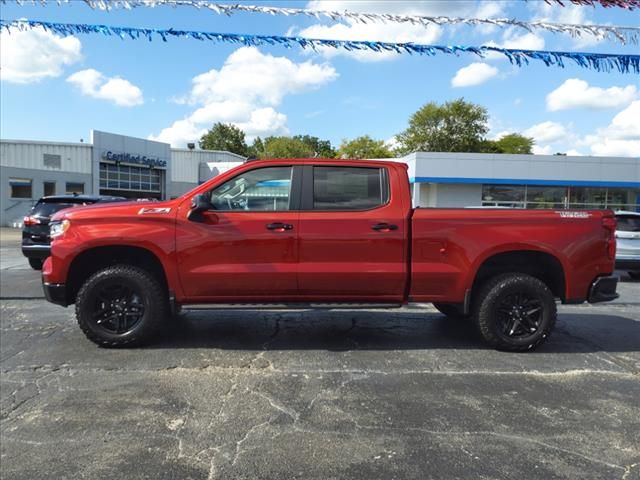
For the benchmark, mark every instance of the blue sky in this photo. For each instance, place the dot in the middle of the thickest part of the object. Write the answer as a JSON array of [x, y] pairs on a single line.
[[58, 89]]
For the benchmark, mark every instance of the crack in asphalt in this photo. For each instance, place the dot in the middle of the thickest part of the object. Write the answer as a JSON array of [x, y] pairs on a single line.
[[628, 469]]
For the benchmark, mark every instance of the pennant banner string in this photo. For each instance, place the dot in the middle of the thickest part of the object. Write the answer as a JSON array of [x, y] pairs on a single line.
[[621, 34], [596, 61], [627, 4]]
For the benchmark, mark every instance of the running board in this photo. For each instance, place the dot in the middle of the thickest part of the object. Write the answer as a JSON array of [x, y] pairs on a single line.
[[285, 306]]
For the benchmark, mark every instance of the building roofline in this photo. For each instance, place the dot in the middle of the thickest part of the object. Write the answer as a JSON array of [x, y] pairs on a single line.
[[41, 142], [526, 181], [207, 151], [512, 156]]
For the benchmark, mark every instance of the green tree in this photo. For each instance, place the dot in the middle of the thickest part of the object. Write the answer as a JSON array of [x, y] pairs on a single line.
[[285, 147], [455, 126], [256, 150], [364, 147], [320, 148], [225, 136], [514, 143]]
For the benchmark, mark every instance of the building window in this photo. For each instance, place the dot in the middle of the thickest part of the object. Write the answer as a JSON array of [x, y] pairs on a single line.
[[49, 188], [74, 187], [52, 161], [20, 187], [131, 178], [534, 196], [503, 196], [587, 197], [546, 197]]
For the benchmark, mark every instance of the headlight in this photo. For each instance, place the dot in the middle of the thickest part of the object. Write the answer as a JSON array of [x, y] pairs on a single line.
[[58, 228]]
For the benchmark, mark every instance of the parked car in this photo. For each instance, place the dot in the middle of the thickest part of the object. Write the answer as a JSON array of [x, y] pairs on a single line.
[[35, 226], [324, 232], [628, 243]]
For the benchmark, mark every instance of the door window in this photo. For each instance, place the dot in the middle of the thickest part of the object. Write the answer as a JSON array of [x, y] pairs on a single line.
[[348, 188], [262, 189]]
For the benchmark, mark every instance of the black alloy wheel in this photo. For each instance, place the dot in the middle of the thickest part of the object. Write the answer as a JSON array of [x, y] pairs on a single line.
[[520, 315], [514, 312], [118, 308], [121, 305]]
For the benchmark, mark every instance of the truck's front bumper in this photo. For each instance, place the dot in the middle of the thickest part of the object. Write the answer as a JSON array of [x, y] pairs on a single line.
[[55, 293], [603, 289]]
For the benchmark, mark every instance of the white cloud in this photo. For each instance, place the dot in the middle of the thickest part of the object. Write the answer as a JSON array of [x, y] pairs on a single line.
[[389, 32], [32, 55], [546, 132], [621, 137], [94, 84], [513, 40], [250, 76], [543, 150], [473, 74], [576, 93], [245, 92], [571, 14]]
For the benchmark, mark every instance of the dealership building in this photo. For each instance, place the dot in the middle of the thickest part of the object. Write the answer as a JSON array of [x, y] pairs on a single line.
[[110, 164], [114, 164]]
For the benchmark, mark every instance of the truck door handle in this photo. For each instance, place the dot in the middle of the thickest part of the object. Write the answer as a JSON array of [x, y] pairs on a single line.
[[279, 227], [384, 227]]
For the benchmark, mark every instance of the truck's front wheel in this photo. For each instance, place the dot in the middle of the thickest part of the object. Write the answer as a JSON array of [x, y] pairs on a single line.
[[121, 305], [514, 312]]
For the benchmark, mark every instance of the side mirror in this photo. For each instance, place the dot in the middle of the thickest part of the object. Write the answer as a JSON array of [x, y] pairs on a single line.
[[199, 204]]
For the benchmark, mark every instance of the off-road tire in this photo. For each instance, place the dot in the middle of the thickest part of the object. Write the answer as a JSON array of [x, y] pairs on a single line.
[[488, 299], [451, 310], [36, 263], [149, 289]]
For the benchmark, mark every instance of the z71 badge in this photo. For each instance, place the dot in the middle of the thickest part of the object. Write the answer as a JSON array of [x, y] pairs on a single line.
[[565, 214], [158, 210]]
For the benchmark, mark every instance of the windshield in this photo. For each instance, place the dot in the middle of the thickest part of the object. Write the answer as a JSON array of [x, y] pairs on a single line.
[[46, 209], [630, 223]]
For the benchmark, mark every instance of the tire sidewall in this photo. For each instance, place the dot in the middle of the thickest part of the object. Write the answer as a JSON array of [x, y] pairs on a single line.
[[510, 284], [134, 279]]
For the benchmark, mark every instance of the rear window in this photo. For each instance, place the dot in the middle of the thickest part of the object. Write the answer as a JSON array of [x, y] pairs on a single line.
[[46, 209], [629, 223], [348, 188]]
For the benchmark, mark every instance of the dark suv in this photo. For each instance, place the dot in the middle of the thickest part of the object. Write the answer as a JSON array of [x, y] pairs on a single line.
[[36, 243]]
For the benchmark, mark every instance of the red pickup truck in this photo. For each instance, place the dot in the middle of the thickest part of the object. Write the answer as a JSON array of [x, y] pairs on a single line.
[[327, 233]]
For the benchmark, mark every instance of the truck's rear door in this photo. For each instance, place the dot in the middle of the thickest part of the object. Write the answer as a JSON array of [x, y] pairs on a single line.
[[352, 234]]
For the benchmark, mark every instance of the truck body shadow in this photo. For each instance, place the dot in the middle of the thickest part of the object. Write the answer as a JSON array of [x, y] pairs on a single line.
[[380, 330]]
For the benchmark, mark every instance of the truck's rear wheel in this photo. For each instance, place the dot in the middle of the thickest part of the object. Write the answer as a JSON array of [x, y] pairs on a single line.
[[451, 310], [514, 312], [121, 305]]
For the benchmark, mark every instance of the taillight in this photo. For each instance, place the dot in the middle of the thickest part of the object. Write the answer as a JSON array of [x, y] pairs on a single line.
[[609, 224], [30, 221]]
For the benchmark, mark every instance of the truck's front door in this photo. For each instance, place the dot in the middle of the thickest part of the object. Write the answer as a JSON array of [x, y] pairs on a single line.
[[353, 235], [245, 247]]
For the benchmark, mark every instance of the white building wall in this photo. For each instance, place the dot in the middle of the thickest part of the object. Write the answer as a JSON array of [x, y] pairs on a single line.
[[457, 196], [186, 163], [74, 157], [426, 166]]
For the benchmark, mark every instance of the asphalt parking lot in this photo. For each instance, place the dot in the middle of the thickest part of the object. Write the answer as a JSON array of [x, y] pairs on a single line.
[[315, 395]]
